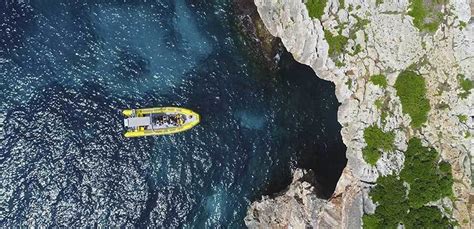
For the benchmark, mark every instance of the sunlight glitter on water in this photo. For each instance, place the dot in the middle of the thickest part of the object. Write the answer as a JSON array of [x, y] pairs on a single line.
[[67, 69]]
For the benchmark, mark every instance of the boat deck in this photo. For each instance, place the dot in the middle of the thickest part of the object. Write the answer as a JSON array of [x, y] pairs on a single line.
[[158, 121]]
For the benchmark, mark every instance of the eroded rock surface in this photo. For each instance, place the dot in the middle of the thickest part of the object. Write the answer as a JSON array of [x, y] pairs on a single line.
[[297, 207], [388, 43]]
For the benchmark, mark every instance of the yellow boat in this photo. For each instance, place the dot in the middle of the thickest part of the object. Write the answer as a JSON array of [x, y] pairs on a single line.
[[158, 121]]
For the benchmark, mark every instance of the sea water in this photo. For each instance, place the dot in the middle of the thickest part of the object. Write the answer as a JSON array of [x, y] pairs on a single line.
[[68, 67]]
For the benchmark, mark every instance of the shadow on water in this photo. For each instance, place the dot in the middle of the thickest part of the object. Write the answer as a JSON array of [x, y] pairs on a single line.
[[308, 117], [322, 149]]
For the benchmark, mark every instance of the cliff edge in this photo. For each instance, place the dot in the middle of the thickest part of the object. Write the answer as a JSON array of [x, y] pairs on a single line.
[[369, 50]]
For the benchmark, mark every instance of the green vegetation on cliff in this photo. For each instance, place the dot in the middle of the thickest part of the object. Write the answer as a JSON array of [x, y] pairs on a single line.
[[382, 104], [371, 155], [378, 103], [390, 195], [379, 80], [359, 25], [466, 85], [429, 181], [316, 8], [426, 14], [426, 217], [376, 140], [336, 43], [403, 200], [462, 118], [411, 89], [357, 50], [341, 4]]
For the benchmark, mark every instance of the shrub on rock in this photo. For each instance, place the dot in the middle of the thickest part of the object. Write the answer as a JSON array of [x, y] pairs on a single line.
[[411, 89], [316, 8]]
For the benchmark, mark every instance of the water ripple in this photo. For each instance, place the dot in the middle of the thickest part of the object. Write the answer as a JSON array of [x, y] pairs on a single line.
[[67, 69]]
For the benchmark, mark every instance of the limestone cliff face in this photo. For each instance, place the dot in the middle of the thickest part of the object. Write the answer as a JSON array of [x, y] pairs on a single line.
[[285, 210], [388, 43]]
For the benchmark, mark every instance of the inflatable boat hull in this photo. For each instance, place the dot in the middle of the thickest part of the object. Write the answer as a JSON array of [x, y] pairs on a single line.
[[137, 121]]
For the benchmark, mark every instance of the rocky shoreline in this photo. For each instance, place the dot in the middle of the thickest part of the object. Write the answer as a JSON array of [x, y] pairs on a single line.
[[387, 42], [265, 49]]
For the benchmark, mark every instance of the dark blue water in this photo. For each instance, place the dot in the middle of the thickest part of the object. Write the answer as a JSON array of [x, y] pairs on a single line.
[[68, 67]]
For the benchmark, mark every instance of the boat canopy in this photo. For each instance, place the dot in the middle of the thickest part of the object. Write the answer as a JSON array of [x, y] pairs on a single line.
[[137, 121]]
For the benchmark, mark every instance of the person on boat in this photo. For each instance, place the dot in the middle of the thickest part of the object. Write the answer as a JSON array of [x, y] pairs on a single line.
[[160, 120], [174, 120], [180, 120]]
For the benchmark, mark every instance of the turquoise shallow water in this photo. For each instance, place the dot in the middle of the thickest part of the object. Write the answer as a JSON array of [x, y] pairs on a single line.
[[68, 67]]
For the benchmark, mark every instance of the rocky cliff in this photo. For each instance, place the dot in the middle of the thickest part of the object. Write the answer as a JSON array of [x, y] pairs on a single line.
[[348, 43]]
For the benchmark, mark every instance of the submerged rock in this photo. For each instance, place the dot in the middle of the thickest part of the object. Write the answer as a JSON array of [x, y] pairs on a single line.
[[265, 48]]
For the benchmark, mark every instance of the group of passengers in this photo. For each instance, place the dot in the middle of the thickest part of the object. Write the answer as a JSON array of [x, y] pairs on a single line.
[[174, 120]]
